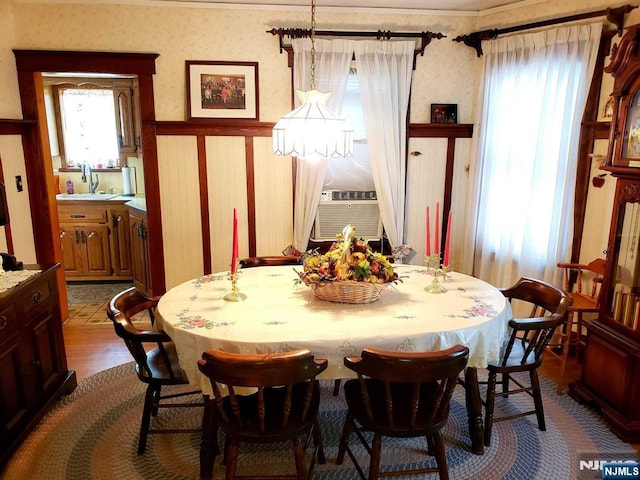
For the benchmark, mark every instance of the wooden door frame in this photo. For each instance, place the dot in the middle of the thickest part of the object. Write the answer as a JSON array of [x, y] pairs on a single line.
[[44, 216]]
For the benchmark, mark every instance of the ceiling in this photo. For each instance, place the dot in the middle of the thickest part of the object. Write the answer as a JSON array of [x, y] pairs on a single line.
[[463, 6]]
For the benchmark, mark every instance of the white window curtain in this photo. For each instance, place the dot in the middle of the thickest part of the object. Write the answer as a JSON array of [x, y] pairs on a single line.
[[333, 60], [533, 94], [384, 71]]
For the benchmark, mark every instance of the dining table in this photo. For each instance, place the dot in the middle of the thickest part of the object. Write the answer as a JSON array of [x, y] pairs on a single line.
[[280, 313]]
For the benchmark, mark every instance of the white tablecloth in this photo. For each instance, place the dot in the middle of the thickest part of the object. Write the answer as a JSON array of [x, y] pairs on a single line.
[[279, 315]]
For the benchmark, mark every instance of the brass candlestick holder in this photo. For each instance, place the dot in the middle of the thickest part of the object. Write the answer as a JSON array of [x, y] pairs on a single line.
[[234, 295], [438, 269], [445, 269]]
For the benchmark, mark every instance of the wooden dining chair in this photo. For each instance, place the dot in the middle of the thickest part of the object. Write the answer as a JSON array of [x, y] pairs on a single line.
[[400, 394], [157, 367], [282, 404], [583, 283], [266, 261], [524, 349]]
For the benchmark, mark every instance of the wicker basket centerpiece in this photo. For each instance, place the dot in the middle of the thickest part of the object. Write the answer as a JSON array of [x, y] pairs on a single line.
[[350, 272]]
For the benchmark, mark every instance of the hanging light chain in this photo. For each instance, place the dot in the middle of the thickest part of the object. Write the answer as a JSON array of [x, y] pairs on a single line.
[[312, 130], [313, 44]]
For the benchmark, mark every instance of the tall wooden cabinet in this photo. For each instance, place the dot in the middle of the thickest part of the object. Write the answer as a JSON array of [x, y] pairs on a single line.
[[33, 363], [611, 371]]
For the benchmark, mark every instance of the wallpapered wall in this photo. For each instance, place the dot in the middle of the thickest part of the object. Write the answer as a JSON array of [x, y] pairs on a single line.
[[187, 33], [446, 74]]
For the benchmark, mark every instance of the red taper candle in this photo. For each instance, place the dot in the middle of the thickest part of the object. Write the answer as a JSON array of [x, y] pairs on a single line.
[[234, 248], [437, 232], [428, 249], [447, 242]]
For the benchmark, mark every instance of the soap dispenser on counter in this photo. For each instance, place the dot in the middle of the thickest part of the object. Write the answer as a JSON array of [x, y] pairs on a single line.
[[129, 183], [69, 186]]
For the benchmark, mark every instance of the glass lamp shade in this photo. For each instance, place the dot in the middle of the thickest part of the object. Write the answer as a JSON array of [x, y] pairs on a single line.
[[312, 130]]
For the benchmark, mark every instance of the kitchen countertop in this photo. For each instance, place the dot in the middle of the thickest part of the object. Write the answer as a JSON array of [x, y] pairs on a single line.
[[138, 202]]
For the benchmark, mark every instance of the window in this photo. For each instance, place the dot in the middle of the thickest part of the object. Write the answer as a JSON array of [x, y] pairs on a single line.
[[91, 121], [352, 173], [535, 87], [88, 127]]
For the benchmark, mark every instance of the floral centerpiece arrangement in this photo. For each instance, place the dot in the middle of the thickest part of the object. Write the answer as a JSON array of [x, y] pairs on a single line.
[[350, 272]]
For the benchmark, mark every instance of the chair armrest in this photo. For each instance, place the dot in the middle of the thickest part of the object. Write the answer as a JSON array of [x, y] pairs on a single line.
[[532, 323], [151, 336], [577, 266]]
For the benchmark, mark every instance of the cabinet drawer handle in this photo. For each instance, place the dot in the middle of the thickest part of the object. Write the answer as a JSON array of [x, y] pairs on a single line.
[[36, 297], [3, 321], [77, 215]]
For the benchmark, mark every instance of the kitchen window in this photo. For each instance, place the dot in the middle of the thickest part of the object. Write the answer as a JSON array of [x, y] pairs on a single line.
[[91, 121], [88, 127]]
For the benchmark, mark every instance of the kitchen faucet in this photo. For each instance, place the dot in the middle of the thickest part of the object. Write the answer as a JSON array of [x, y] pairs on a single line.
[[87, 174]]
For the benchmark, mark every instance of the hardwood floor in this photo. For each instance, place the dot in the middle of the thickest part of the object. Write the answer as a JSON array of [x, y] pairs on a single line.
[[91, 342], [91, 349]]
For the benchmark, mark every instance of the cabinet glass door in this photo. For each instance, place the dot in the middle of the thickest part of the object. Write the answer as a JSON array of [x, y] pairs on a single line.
[[625, 302]]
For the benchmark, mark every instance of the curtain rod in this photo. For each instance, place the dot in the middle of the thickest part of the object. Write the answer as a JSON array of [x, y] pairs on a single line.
[[614, 15], [425, 37]]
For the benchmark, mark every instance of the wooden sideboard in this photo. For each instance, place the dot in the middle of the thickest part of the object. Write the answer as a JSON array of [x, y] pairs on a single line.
[[33, 363]]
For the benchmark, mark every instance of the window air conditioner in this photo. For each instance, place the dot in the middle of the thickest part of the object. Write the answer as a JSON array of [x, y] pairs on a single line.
[[338, 208]]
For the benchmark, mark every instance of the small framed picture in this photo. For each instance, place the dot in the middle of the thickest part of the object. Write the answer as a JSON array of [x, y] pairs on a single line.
[[222, 90], [444, 113]]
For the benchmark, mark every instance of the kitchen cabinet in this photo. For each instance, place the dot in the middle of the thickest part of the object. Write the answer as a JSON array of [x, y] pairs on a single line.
[[120, 242], [33, 364], [125, 95], [140, 250], [85, 250], [610, 376], [94, 236]]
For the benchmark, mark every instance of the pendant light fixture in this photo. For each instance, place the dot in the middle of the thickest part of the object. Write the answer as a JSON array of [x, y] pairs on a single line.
[[313, 131]]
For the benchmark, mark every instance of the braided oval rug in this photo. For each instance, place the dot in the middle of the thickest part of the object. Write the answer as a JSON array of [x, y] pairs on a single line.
[[93, 433]]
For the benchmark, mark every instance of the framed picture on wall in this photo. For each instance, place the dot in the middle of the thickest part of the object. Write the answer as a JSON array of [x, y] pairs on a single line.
[[222, 90], [444, 113]]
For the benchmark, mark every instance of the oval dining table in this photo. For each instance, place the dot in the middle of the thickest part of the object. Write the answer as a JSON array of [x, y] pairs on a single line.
[[280, 314]]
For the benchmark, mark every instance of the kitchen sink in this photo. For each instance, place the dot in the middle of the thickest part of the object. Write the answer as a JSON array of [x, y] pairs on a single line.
[[86, 196]]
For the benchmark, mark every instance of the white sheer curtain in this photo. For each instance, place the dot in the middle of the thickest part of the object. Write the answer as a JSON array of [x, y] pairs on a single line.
[[384, 71], [533, 95], [333, 60]]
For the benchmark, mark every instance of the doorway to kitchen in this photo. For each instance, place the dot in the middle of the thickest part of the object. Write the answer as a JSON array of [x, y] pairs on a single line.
[[30, 65], [93, 122]]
